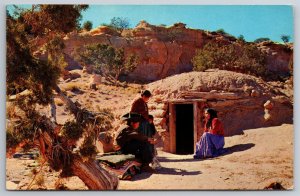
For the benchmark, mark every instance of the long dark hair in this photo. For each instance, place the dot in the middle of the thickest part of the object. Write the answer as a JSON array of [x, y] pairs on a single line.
[[213, 114], [146, 93]]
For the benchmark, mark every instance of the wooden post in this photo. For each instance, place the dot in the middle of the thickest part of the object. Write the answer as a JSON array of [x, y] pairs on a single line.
[[172, 127], [200, 124], [196, 123]]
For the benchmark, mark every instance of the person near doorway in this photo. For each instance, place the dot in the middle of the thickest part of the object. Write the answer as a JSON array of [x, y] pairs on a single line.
[[131, 141], [155, 163], [212, 141], [152, 131], [140, 106]]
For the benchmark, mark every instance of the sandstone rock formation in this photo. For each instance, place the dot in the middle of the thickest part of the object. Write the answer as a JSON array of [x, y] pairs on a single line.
[[278, 56], [165, 51]]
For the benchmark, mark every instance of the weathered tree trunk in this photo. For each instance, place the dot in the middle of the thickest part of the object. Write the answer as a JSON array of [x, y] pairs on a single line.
[[53, 110], [73, 108], [94, 177]]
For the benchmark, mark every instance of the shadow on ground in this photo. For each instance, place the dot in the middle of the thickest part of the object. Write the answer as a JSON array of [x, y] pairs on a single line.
[[167, 171], [182, 172], [165, 159], [226, 151], [237, 148]]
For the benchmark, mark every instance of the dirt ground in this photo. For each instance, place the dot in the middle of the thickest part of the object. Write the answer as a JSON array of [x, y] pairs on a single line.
[[253, 161]]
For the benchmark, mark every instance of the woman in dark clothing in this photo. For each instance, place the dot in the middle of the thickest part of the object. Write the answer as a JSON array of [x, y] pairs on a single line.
[[212, 141], [133, 142], [140, 106]]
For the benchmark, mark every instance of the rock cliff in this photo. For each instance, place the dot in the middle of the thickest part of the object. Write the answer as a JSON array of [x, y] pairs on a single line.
[[165, 51]]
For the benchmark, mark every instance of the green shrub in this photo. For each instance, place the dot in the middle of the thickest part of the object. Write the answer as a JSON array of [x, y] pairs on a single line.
[[263, 39], [238, 57], [285, 38], [108, 60], [72, 130], [88, 25]]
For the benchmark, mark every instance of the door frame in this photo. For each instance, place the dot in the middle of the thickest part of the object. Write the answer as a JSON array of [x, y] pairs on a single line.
[[197, 113]]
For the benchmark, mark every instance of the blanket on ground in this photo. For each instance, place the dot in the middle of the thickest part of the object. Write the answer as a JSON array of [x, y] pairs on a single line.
[[121, 165]]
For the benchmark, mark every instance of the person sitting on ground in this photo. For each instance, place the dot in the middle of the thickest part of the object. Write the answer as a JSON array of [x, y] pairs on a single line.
[[212, 141], [132, 142]]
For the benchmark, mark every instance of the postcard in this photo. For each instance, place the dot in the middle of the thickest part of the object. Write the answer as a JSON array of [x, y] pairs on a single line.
[[149, 97]]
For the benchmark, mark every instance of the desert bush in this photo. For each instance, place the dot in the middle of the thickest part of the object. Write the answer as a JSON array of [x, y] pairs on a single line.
[[120, 23], [168, 35], [285, 38], [221, 31], [243, 58], [73, 86], [88, 25], [262, 39], [241, 38], [108, 60], [88, 149], [58, 102]]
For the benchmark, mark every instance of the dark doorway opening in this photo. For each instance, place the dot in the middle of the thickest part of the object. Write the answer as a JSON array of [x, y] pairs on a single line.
[[184, 129]]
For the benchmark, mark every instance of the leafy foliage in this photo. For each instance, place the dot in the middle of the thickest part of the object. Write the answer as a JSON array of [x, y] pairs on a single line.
[[102, 123], [108, 60], [12, 139], [55, 52], [39, 78], [241, 38], [88, 25], [119, 23], [285, 38], [87, 149], [173, 34], [262, 39], [72, 130], [25, 71], [104, 119], [221, 31], [244, 58], [45, 19], [24, 127]]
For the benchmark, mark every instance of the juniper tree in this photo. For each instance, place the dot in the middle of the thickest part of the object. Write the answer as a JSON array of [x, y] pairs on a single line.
[[119, 23], [88, 25], [285, 38], [108, 60], [39, 77]]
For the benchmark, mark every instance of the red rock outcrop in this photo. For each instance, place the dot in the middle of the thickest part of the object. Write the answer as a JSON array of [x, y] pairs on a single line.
[[278, 56], [165, 51]]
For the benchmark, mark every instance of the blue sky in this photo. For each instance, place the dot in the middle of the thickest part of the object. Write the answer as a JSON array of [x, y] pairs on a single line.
[[251, 21]]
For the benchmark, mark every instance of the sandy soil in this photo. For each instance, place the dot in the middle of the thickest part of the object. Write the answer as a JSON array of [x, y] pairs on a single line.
[[253, 161]]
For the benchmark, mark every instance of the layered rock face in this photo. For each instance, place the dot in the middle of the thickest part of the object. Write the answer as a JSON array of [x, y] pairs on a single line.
[[278, 56], [161, 51], [164, 51]]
